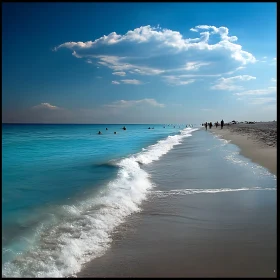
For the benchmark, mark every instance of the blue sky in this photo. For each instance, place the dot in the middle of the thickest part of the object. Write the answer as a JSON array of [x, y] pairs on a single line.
[[138, 62]]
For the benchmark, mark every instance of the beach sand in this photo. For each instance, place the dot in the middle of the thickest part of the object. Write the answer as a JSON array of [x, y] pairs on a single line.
[[230, 234], [257, 142]]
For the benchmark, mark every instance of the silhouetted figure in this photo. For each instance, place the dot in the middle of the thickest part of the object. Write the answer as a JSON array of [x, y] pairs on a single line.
[[206, 126], [115, 132], [222, 124], [99, 132], [124, 128], [210, 125], [149, 128], [106, 128]]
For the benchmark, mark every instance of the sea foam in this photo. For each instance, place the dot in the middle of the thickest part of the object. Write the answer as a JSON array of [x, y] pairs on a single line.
[[82, 232]]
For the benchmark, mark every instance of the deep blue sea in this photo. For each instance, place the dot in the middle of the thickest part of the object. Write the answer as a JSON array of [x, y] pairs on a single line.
[[65, 188]]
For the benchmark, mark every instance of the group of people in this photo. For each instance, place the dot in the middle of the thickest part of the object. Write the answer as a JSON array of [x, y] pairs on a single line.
[[99, 132], [210, 124], [124, 128]]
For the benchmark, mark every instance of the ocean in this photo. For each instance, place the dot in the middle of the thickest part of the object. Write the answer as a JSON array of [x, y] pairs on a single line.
[[65, 189]]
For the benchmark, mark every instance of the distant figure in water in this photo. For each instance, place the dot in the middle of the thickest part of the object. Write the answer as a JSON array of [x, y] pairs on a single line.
[[153, 128], [210, 125], [222, 124], [174, 126], [149, 128], [115, 132], [124, 128], [206, 126], [99, 132], [106, 128], [216, 124], [164, 127]]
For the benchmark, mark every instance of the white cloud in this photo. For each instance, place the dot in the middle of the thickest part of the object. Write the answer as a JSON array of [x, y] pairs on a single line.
[[155, 51], [46, 106], [132, 82], [195, 65], [177, 81], [115, 82], [119, 73], [262, 100], [229, 83], [275, 58], [273, 80], [132, 103], [268, 90]]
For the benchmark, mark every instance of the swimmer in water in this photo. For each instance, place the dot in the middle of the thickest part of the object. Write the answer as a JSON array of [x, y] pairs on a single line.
[[115, 132], [106, 128], [99, 132]]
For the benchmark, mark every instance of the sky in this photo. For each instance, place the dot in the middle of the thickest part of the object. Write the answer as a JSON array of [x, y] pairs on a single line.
[[138, 62]]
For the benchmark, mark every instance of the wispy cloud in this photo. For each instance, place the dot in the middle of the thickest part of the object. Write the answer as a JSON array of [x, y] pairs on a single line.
[[119, 73], [195, 65], [131, 82], [265, 91], [273, 80], [132, 103], [128, 82], [46, 106], [207, 110], [230, 83], [177, 81], [262, 100]]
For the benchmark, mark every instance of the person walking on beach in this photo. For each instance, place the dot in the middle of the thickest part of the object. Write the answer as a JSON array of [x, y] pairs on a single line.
[[222, 124], [206, 126], [210, 125]]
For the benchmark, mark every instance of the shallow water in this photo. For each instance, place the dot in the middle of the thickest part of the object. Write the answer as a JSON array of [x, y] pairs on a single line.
[[65, 189]]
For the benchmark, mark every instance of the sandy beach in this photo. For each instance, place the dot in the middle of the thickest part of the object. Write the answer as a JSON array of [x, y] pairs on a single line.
[[257, 142], [184, 234]]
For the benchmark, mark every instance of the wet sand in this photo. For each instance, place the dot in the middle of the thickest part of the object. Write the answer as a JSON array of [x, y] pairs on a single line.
[[200, 235], [257, 142]]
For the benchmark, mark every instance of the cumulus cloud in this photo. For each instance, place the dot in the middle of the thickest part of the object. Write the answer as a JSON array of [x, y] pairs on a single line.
[[229, 83], [115, 82], [155, 51], [119, 73], [269, 90], [46, 106], [132, 103]]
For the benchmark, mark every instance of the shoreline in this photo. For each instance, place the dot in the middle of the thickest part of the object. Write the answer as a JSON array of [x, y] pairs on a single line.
[[255, 142], [205, 234]]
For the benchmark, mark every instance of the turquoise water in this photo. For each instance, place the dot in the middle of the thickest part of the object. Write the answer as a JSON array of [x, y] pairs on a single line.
[[65, 188]]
